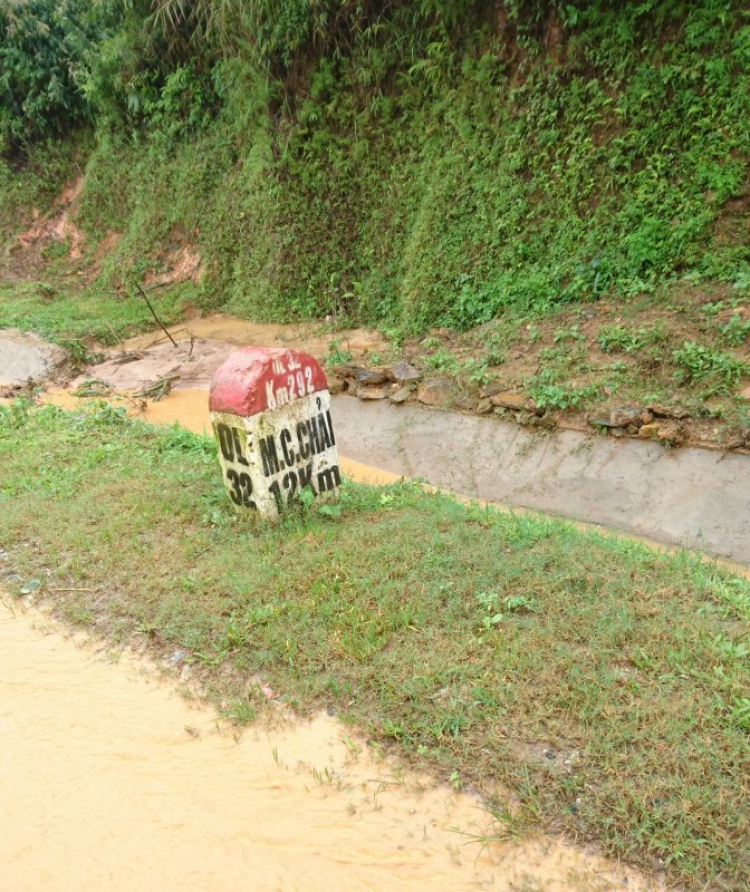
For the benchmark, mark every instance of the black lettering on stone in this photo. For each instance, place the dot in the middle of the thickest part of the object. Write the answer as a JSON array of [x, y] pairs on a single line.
[[268, 456], [312, 427], [246, 486], [330, 428], [238, 446], [285, 439], [304, 449], [290, 483], [305, 476], [329, 479], [275, 491], [235, 494], [325, 440], [226, 441]]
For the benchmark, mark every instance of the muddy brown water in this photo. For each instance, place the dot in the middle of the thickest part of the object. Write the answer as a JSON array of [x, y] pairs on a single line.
[[110, 780]]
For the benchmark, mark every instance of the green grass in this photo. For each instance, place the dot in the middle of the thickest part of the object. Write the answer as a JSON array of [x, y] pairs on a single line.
[[73, 318], [468, 636]]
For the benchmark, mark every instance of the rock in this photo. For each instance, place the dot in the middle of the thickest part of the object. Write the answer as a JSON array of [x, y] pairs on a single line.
[[516, 402], [336, 384], [623, 417], [745, 394], [403, 372], [371, 393], [401, 395], [346, 370], [661, 411], [371, 377], [464, 403], [489, 390], [484, 406], [671, 432], [435, 392]]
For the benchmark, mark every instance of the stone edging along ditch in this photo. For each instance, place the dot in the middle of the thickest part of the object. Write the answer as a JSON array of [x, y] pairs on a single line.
[[401, 382]]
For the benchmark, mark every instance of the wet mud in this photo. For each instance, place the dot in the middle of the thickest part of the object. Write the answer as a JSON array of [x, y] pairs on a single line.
[[25, 357], [110, 780]]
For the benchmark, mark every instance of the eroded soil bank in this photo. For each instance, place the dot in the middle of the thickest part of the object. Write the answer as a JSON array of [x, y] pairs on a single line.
[[109, 779]]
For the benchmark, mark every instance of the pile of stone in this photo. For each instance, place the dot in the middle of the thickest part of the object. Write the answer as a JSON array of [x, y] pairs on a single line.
[[397, 383], [658, 422]]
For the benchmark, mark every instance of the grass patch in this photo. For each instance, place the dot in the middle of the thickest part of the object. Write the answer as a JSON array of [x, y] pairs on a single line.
[[74, 318], [471, 637]]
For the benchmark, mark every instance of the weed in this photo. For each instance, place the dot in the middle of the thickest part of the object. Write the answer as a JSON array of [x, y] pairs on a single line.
[[618, 339], [568, 334], [736, 331], [700, 364], [475, 371], [337, 355], [442, 360], [548, 392]]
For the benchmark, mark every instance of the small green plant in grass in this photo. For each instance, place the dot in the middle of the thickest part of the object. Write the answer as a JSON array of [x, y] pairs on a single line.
[[741, 714], [241, 711], [476, 371], [520, 604], [491, 616], [573, 333], [548, 392], [700, 364], [337, 355], [441, 361], [619, 339], [736, 330], [56, 250]]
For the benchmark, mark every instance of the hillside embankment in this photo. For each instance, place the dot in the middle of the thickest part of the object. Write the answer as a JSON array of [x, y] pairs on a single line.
[[546, 208]]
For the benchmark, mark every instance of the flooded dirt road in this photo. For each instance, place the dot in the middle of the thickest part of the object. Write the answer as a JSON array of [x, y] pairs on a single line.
[[109, 780]]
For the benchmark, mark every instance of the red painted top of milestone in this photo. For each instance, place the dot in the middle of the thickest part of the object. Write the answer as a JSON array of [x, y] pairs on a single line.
[[255, 379]]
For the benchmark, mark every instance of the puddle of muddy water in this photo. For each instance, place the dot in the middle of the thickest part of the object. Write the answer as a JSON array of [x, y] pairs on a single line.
[[110, 780], [202, 345], [189, 409], [315, 339]]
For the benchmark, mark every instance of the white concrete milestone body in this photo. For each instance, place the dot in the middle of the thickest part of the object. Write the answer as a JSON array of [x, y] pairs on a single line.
[[270, 410]]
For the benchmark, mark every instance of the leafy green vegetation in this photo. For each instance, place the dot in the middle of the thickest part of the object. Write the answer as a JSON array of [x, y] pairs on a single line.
[[43, 45], [698, 363], [470, 637], [413, 165]]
